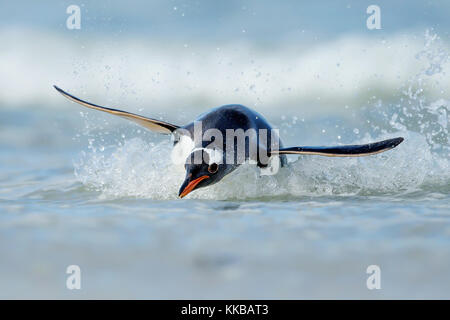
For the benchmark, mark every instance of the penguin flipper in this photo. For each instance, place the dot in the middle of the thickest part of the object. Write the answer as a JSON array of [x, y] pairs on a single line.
[[151, 124], [344, 151]]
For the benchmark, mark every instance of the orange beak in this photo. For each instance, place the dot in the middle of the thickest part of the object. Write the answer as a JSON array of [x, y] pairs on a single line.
[[191, 186]]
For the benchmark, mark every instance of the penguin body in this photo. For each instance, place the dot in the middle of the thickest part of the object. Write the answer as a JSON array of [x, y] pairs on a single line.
[[220, 140], [236, 117]]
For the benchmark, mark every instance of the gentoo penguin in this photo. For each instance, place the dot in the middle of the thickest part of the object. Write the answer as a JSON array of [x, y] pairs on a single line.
[[218, 141]]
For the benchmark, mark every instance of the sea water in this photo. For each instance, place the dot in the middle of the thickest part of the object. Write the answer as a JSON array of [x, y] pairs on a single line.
[[78, 187]]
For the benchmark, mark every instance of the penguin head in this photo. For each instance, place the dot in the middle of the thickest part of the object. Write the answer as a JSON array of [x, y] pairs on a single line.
[[202, 169]]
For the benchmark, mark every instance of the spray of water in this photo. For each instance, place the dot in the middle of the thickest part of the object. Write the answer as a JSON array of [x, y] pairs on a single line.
[[138, 168]]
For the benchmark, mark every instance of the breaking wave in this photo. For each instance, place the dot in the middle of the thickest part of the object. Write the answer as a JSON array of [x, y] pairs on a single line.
[[140, 73]]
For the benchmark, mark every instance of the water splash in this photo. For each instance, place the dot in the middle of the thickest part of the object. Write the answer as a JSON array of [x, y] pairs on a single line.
[[415, 112], [137, 168]]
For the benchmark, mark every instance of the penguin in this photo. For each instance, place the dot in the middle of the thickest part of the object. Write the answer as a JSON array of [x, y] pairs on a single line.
[[218, 141]]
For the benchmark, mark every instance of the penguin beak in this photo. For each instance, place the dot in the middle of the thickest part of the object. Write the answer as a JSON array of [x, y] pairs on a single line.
[[188, 186]]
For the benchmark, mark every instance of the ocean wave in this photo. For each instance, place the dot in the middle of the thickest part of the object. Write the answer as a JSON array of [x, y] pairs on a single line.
[[150, 77]]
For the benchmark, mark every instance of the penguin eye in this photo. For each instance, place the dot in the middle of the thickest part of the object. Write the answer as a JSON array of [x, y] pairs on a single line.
[[212, 168]]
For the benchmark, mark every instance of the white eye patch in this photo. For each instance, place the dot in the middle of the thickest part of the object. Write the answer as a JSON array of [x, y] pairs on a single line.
[[182, 150], [215, 155], [185, 147]]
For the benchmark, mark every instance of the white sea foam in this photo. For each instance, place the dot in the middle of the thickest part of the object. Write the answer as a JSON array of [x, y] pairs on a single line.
[[139, 74], [140, 169]]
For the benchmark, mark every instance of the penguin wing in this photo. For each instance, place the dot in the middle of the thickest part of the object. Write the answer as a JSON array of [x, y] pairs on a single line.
[[152, 124], [344, 151]]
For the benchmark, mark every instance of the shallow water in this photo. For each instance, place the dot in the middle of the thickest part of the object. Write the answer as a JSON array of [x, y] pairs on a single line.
[[82, 188], [309, 232]]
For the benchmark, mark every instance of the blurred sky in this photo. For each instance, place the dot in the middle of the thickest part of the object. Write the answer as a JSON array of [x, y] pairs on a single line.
[[249, 20]]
